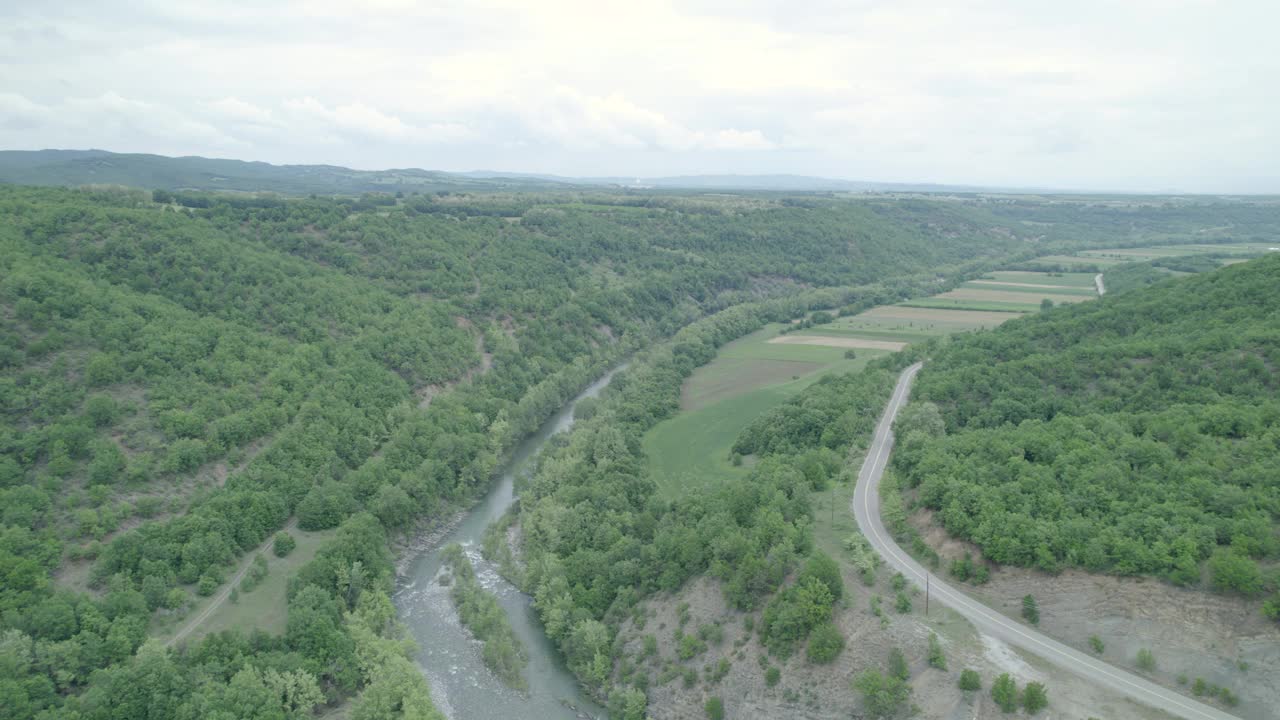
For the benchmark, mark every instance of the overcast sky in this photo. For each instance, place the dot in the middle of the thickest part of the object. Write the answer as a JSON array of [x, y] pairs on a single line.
[[1138, 94]]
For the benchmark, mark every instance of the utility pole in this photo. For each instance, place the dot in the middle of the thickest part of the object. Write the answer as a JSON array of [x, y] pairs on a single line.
[[926, 594]]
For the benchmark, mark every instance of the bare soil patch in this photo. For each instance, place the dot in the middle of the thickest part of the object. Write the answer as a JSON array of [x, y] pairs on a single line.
[[839, 342], [824, 692], [1192, 633]]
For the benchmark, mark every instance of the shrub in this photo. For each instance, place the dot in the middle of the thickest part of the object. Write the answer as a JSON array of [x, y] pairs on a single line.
[[772, 676], [1034, 697], [902, 603], [1004, 691], [825, 643], [206, 586], [283, 544], [969, 680], [1095, 642], [882, 695], [936, 657], [1146, 660], [714, 708], [1030, 611], [898, 665]]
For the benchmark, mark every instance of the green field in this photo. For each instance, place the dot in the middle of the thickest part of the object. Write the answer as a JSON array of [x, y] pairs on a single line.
[[264, 608], [1082, 280], [747, 377], [1106, 257], [751, 374], [985, 305], [1037, 291]]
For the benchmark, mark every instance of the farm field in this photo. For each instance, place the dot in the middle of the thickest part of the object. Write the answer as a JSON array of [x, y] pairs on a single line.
[[1108, 257], [754, 373], [747, 377]]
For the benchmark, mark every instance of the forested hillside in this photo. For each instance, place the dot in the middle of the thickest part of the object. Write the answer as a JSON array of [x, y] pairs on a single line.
[[181, 374], [1139, 434]]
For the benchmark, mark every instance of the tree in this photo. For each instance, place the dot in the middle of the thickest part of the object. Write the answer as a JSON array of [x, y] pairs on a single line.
[[882, 695], [1004, 691], [1046, 304], [937, 658], [1232, 572], [714, 708], [283, 544], [1030, 612], [1034, 697], [825, 643], [969, 680], [821, 566]]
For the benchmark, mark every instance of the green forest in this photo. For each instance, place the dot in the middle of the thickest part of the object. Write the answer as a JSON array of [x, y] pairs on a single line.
[[181, 373], [1135, 435]]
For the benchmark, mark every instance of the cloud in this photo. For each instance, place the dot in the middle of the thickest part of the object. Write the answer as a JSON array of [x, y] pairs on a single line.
[[976, 91], [362, 121]]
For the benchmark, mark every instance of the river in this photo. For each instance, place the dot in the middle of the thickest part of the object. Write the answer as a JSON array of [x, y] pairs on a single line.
[[461, 685]]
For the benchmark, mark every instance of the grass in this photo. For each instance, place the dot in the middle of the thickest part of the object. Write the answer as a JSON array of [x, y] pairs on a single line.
[[1044, 290], [751, 375], [746, 378], [986, 305], [265, 608], [1076, 260], [1082, 280], [1106, 257]]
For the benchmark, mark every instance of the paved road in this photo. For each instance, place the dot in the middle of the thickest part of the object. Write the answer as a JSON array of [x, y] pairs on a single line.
[[866, 509], [1097, 280], [225, 592]]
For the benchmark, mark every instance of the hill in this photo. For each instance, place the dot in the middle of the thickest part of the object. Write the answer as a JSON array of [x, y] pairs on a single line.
[[90, 167], [99, 167], [182, 374], [1136, 435]]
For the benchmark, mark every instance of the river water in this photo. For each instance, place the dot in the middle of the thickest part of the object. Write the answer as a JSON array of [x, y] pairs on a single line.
[[461, 685]]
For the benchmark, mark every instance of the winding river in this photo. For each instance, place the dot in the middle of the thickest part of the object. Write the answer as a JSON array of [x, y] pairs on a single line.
[[462, 687]]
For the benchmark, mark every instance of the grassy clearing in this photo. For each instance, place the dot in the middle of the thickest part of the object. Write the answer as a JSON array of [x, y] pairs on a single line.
[[1008, 296], [1084, 293], [1081, 280], [938, 303], [757, 372], [938, 321], [265, 608], [1076, 260], [839, 342], [746, 378], [1105, 257]]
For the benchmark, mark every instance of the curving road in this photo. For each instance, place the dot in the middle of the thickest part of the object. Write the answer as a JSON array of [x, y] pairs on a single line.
[[866, 509]]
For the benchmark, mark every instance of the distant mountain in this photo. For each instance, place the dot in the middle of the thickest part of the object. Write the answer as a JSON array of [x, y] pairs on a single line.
[[92, 167], [97, 167], [783, 183]]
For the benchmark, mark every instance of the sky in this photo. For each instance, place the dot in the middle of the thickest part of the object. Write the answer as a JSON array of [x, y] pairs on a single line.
[[1139, 95]]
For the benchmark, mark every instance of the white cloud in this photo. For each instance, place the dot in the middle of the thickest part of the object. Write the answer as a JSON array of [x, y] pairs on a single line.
[[1090, 93]]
